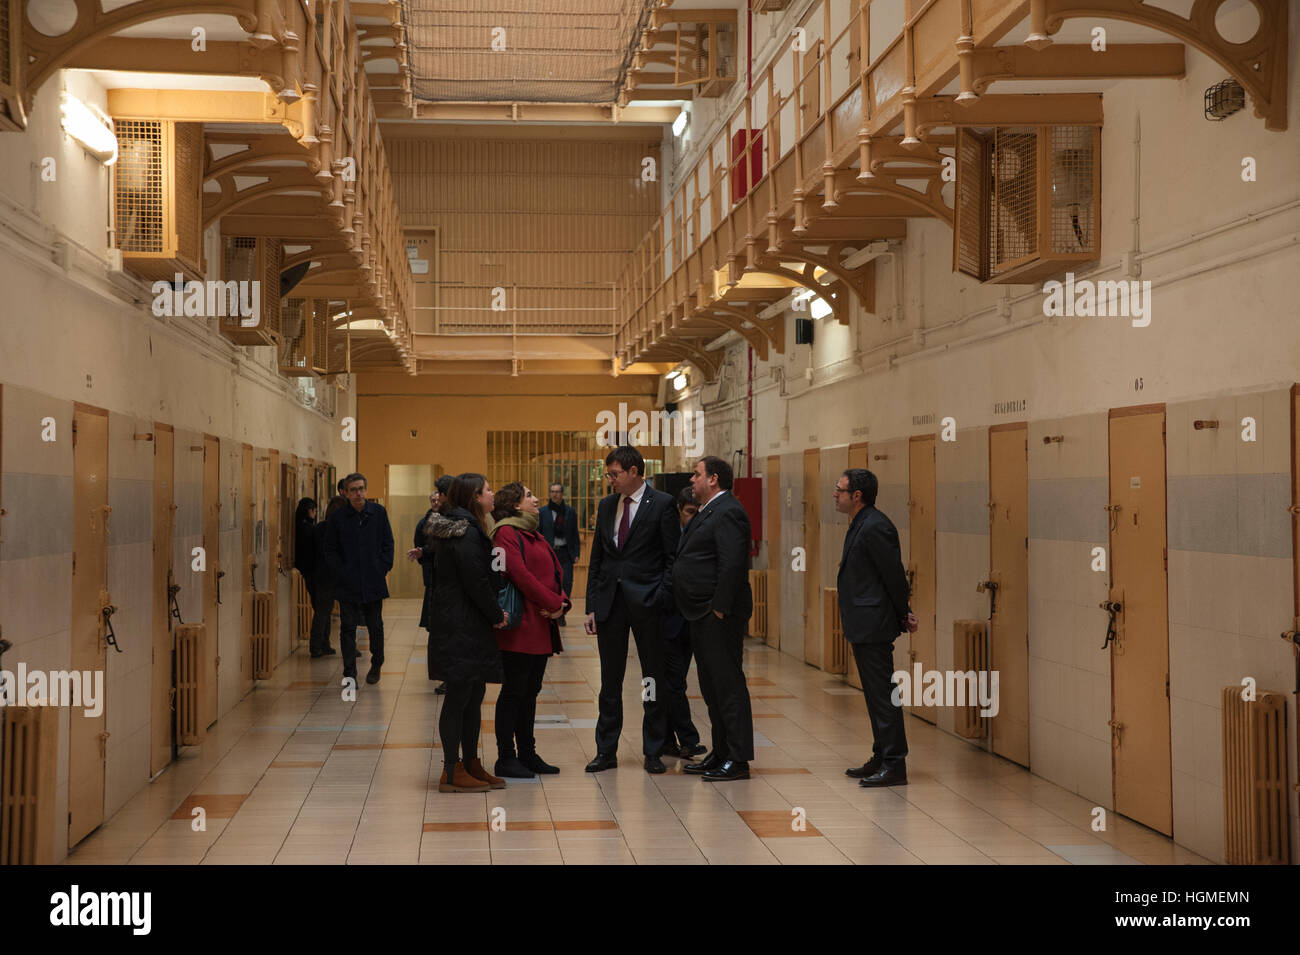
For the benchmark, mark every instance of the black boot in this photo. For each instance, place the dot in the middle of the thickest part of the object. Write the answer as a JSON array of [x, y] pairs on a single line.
[[537, 764]]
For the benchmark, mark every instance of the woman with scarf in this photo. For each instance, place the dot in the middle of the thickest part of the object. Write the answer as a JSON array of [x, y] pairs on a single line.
[[531, 565], [465, 611]]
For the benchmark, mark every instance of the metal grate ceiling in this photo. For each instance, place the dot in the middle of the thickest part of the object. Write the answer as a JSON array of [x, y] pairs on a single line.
[[536, 51]]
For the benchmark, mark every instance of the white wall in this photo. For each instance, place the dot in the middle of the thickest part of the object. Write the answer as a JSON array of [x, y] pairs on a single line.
[[1224, 342], [68, 334]]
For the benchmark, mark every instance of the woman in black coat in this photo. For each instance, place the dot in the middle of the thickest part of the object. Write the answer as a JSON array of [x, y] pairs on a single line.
[[465, 613]]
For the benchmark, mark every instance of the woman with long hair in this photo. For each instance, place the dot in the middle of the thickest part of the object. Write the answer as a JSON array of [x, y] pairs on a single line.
[[465, 611], [534, 569]]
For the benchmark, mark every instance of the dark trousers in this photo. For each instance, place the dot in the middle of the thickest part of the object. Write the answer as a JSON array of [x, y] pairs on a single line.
[[875, 670], [677, 662], [719, 648], [322, 606], [566, 572], [460, 721], [516, 708], [353, 613], [611, 639]]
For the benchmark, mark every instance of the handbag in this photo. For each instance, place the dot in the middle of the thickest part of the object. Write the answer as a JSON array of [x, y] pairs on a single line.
[[511, 600]]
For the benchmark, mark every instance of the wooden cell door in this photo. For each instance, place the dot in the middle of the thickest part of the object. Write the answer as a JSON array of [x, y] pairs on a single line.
[[162, 681], [812, 586], [921, 569], [212, 577], [776, 557], [422, 255], [88, 738], [247, 582], [1139, 654], [1009, 570]]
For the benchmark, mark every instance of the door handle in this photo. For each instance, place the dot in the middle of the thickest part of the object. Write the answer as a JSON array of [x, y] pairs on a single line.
[[110, 638], [1112, 607], [990, 587]]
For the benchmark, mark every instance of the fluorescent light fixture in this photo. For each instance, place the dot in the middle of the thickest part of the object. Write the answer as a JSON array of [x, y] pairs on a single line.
[[89, 127], [819, 308], [679, 124]]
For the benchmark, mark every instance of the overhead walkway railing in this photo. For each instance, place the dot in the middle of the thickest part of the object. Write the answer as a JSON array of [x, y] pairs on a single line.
[[302, 164], [845, 135]]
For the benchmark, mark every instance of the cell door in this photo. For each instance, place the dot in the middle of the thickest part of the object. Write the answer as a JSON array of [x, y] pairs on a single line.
[[88, 736], [422, 256], [247, 582], [812, 587], [1139, 654], [212, 577], [161, 679], [921, 568], [776, 557], [1009, 570]]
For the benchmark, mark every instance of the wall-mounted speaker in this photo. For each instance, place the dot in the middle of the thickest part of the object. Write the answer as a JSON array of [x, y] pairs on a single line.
[[803, 331]]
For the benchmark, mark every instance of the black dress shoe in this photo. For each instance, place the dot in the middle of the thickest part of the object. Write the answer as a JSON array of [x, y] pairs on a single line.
[[731, 769], [602, 762], [440, 689], [537, 764], [317, 653], [670, 749], [869, 768], [655, 765], [886, 777], [328, 652], [690, 752], [373, 676], [712, 761]]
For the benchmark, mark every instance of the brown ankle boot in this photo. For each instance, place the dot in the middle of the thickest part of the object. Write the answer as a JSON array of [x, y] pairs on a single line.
[[475, 767], [461, 781]]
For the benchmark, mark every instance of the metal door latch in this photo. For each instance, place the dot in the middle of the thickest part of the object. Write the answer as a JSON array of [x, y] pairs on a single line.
[[110, 637], [991, 586], [1112, 607]]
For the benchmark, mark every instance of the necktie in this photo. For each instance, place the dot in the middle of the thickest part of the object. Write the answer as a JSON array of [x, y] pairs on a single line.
[[625, 522]]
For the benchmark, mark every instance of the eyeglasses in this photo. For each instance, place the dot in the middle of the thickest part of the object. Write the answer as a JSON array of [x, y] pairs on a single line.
[[839, 490], [614, 475]]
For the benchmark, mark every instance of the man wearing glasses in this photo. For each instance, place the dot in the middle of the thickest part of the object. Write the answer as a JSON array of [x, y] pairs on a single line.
[[631, 556], [873, 597]]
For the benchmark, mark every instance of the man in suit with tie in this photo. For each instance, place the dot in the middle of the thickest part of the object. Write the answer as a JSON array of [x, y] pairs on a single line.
[[711, 586], [873, 595], [631, 556]]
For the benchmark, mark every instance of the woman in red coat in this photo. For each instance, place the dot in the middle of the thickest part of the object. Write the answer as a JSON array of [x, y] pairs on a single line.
[[531, 565]]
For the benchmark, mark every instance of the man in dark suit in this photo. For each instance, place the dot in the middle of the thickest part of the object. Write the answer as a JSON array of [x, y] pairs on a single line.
[[683, 737], [631, 556], [711, 586], [558, 523], [359, 550], [873, 596]]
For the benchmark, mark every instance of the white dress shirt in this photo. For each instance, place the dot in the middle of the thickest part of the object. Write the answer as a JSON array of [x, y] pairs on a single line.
[[708, 502], [622, 503]]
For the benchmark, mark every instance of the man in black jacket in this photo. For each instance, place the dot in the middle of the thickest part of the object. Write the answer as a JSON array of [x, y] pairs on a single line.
[[359, 549], [710, 580], [558, 523], [873, 597], [631, 557]]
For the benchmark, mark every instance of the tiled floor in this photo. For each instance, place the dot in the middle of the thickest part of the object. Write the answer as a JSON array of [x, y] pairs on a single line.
[[295, 775]]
